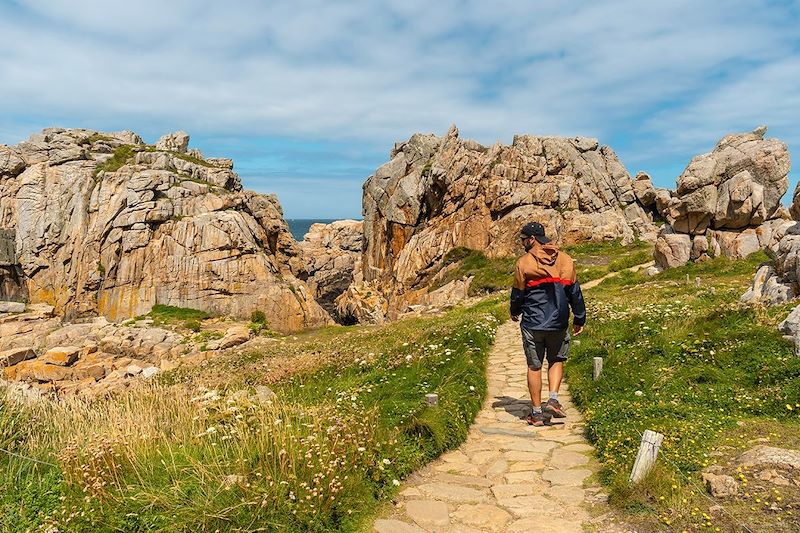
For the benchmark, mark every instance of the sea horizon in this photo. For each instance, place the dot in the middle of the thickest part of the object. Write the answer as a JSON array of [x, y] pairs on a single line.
[[300, 226]]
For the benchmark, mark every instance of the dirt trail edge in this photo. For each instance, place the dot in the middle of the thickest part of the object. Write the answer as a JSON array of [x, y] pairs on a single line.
[[596, 282], [507, 476]]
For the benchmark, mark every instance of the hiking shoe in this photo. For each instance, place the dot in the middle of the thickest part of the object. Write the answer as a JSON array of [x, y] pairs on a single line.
[[535, 419], [538, 419], [554, 408]]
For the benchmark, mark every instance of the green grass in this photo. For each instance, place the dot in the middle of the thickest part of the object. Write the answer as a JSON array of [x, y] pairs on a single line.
[[122, 155], [700, 361], [490, 275], [349, 419], [98, 137], [163, 315], [192, 159], [597, 259]]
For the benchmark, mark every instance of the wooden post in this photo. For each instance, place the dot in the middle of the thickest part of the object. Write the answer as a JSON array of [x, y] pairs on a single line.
[[646, 458], [597, 367], [432, 399]]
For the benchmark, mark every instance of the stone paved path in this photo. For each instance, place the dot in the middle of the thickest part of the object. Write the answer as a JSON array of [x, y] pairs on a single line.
[[507, 476]]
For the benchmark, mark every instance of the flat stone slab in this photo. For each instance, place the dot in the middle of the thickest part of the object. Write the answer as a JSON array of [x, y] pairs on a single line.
[[483, 516], [455, 456], [526, 476], [553, 525], [459, 468], [568, 459], [506, 490], [472, 481], [520, 433], [572, 478], [529, 445], [497, 468], [566, 494], [428, 513], [453, 493], [525, 456], [526, 466], [411, 492], [521, 506]]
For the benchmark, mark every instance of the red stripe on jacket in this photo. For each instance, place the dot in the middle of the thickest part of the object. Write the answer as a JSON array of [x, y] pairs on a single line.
[[535, 282]]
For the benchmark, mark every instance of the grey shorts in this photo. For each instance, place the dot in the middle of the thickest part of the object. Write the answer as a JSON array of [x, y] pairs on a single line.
[[538, 344]]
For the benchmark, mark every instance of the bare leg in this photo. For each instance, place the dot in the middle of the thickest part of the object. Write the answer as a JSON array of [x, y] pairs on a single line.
[[535, 386], [554, 375]]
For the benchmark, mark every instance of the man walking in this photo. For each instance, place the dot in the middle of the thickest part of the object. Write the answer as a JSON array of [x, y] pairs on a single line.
[[545, 288]]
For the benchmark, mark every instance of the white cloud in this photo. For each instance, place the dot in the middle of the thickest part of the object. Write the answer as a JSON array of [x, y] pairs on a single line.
[[671, 76]]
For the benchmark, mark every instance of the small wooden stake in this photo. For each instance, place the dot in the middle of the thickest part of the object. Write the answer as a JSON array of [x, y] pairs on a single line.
[[646, 458], [597, 367], [432, 399]]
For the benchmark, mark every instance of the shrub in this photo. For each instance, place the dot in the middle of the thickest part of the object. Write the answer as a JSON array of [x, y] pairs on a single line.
[[192, 325], [122, 155], [168, 314], [258, 317]]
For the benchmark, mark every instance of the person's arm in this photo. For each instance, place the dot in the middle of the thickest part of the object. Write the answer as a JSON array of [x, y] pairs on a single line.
[[578, 307], [576, 303], [517, 293]]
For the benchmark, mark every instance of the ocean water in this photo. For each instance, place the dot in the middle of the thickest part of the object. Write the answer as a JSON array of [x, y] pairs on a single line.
[[299, 226]]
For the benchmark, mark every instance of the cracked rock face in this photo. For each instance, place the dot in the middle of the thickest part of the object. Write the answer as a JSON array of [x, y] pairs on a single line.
[[739, 184], [332, 255], [438, 193], [108, 225], [731, 197]]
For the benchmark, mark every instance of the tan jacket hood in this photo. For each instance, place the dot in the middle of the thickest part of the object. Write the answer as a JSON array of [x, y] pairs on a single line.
[[546, 254]]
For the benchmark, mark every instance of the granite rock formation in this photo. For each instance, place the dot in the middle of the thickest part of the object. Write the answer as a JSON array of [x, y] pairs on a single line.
[[108, 225], [439, 193], [727, 202]]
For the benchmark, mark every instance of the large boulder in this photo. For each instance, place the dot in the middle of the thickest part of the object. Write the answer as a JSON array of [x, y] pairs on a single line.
[[672, 249], [439, 193], [115, 235], [740, 183], [644, 190], [731, 196], [174, 142]]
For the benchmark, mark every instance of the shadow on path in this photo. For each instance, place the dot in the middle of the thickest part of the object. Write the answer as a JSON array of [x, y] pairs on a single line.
[[519, 408]]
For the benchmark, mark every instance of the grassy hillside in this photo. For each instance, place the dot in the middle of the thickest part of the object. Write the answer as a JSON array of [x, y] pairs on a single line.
[[204, 450], [714, 376]]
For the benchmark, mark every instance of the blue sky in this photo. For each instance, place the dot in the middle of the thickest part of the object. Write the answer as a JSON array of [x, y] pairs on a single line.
[[309, 96]]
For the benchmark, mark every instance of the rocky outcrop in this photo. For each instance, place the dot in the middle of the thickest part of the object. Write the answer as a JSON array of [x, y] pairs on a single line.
[[771, 456], [108, 225], [42, 355], [438, 193], [727, 202], [790, 327], [362, 303], [332, 256], [768, 288]]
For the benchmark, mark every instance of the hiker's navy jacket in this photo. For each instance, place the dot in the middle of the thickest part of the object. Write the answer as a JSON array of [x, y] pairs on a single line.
[[545, 288]]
